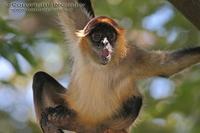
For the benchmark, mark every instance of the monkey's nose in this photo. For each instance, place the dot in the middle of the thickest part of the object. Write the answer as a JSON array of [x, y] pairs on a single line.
[[105, 41]]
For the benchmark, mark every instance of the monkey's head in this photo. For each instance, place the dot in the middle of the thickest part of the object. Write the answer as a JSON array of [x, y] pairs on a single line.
[[100, 38]]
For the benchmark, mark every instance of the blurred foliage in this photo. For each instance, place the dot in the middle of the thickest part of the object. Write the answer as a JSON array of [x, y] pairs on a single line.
[[28, 35], [13, 42]]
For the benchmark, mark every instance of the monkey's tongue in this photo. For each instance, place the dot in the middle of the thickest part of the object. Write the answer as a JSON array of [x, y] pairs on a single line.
[[105, 53]]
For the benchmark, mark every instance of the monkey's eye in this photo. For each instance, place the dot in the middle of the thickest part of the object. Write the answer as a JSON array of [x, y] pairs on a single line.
[[111, 36], [96, 36]]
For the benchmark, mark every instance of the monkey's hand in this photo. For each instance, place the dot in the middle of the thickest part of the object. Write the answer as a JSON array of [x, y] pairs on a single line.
[[48, 127], [62, 117]]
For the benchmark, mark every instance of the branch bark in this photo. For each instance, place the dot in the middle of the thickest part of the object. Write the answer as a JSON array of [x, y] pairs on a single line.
[[190, 9]]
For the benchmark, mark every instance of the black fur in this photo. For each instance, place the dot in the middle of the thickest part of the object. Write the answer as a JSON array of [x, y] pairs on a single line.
[[187, 51], [88, 6], [45, 85], [106, 31], [132, 107], [47, 127]]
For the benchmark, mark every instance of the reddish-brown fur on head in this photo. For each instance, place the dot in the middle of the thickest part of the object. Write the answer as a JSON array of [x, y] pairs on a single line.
[[93, 22]]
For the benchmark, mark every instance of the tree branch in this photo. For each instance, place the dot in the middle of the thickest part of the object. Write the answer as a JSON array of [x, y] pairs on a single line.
[[190, 9]]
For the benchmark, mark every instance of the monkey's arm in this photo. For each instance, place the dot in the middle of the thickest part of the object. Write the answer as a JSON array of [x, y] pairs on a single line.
[[74, 15], [160, 63]]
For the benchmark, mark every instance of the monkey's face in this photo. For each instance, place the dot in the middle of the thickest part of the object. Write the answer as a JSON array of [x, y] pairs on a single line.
[[103, 38]]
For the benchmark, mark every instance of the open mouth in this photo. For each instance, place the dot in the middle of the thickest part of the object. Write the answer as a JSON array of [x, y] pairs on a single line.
[[105, 56], [104, 53]]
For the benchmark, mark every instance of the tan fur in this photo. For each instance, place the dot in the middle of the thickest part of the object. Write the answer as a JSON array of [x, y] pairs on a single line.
[[94, 96], [121, 48]]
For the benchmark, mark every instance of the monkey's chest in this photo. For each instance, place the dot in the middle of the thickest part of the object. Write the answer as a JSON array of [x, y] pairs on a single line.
[[96, 101], [95, 105]]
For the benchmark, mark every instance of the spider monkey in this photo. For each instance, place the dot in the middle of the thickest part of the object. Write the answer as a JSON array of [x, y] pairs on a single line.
[[102, 96]]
